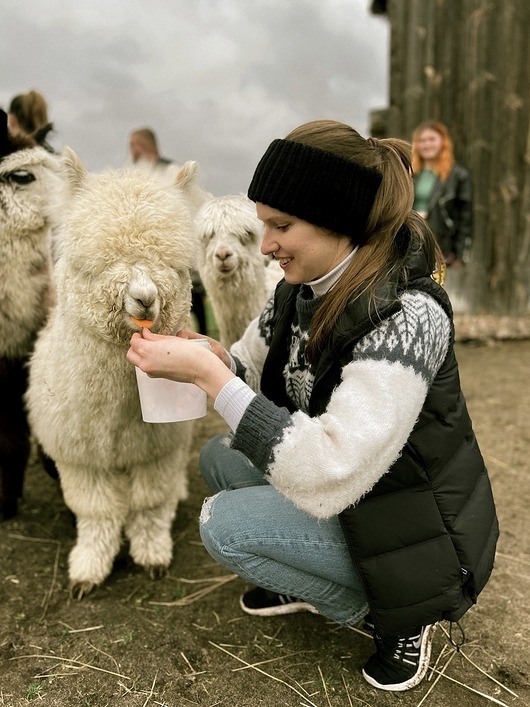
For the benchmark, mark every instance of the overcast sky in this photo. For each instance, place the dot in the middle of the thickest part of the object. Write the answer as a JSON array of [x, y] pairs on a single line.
[[216, 79]]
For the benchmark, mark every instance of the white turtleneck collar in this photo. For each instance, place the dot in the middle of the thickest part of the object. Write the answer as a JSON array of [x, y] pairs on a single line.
[[325, 283]]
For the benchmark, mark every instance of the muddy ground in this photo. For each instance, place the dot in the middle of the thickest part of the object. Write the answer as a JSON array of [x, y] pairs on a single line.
[[183, 641]]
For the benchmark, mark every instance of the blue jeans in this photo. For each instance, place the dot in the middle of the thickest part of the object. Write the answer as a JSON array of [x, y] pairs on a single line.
[[259, 535]]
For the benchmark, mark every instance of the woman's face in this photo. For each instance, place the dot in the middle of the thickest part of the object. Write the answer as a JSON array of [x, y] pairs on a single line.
[[304, 252], [429, 144]]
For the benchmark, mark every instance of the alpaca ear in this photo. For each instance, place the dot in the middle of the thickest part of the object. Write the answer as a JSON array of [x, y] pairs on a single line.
[[186, 174], [76, 172]]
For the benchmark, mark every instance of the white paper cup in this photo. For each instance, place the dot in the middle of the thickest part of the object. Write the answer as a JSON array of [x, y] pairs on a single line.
[[164, 400]]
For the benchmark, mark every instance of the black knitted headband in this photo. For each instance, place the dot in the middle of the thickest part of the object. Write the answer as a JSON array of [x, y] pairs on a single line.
[[316, 186]]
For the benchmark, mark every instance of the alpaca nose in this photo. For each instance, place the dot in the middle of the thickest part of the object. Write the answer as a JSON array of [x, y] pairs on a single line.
[[143, 289], [223, 254], [146, 300]]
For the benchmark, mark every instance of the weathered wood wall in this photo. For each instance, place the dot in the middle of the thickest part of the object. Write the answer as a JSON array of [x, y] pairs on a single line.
[[467, 63]]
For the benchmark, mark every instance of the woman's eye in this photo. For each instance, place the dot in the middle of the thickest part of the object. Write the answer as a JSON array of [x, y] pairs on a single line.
[[282, 227]]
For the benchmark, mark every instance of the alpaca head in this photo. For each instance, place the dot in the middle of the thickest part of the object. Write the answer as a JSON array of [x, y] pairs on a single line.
[[229, 235], [128, 244], [30, 185]]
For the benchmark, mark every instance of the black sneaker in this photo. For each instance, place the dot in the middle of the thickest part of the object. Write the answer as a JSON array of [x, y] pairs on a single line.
[[400, 663], [262, 602]]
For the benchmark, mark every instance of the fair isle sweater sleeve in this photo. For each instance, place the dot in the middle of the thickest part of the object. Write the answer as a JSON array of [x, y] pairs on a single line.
[[250, 352], [324, 464]]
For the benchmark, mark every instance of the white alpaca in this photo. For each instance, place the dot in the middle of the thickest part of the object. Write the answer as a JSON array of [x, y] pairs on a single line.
[[127, 248], [237, 277], [30, 185], [30, 188]]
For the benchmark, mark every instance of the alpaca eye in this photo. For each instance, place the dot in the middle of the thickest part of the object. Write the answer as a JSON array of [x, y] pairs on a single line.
[[21, 177], [247, 237]]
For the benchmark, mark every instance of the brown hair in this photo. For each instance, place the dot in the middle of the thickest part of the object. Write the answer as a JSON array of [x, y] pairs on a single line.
[[146, 135], [30, 110], [379, 256], [445, 161]]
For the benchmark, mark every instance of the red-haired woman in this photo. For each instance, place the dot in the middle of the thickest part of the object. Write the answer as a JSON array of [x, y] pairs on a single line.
[[442, 190]]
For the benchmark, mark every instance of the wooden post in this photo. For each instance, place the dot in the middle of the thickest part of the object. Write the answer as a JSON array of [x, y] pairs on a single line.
[[467, 63]]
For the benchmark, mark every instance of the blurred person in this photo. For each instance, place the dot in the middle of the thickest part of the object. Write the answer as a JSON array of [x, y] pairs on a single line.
[[443, 192], [28, 115], [143, 146]]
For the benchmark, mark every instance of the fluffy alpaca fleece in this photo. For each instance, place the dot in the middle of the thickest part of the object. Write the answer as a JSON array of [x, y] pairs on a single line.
[[237, 277], [30, 188], [127, 248], [167, 174]]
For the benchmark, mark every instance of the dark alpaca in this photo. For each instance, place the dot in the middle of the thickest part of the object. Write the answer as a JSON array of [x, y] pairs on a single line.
[[14, 434]]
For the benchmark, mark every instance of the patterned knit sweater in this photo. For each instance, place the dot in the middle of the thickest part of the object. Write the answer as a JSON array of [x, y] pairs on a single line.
[[324, 464]]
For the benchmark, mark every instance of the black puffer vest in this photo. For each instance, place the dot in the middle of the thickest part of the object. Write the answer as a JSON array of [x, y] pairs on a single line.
[[423, 540]]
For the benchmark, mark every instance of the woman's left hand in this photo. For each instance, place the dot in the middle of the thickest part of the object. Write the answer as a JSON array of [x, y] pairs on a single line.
[[177, 358]]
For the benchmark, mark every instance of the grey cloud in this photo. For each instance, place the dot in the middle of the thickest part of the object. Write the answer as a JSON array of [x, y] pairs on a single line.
[[216, 79]]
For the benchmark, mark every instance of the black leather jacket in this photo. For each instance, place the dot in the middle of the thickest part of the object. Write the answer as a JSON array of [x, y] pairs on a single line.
[[450, 213]]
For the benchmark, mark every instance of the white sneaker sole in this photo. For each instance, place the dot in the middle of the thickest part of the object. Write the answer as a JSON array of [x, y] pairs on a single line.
[[426, 645]]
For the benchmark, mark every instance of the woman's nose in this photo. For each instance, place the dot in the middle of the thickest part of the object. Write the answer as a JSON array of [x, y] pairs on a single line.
[[268, 244]]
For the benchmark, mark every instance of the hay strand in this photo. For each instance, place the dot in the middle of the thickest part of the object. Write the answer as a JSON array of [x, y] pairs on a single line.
[[214, 583], [71, 662], [262, 672]]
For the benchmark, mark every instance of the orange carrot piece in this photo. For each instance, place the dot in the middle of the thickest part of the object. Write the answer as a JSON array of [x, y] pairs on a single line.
[[147, 323]]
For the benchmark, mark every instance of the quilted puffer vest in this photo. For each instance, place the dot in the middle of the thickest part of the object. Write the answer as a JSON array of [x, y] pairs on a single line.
[[423, 540]]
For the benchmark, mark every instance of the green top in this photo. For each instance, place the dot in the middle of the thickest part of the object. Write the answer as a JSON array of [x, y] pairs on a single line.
[[424, 183]]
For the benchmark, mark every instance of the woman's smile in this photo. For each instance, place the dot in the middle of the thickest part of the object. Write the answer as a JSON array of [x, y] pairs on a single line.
[[283, 262]]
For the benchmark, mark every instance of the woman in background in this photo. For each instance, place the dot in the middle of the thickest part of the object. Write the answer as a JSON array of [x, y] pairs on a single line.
[[442, 190], [28, 114]]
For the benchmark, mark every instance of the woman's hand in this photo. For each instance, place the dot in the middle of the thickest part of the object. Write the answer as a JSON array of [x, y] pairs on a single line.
[[215, 346], [177, 358]]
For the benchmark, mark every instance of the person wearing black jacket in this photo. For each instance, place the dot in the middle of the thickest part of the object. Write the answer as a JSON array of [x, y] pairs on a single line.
[[443, 190], [351, 484]]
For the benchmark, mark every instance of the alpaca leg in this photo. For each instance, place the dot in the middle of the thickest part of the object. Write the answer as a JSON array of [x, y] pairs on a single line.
[[91, 559], [12, 471], [14, 435], [155, 493], [149, 533], [99, 501]]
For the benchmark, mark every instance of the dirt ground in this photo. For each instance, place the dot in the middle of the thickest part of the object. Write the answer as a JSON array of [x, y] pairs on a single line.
[[183, 641]]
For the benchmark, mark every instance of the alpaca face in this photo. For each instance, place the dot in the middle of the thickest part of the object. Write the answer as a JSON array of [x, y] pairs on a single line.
[[229, 232], [28, 179], [106, 299], [224, 250], [128, 245]]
